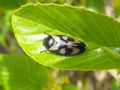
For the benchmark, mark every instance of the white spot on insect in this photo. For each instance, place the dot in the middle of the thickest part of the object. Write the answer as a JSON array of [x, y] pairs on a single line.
[[75, 50], [59, 41], [70, 43], [62, 51], [56, 39], [54, 47], [51, 41], [65, 38], [77, 41]]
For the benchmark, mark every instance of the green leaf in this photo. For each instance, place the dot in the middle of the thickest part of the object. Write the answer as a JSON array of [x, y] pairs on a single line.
[[96, 30], [77, 22], [19, 72], [11, 4]]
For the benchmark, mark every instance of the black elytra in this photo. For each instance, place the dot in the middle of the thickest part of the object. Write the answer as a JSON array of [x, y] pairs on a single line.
[[63, 45]]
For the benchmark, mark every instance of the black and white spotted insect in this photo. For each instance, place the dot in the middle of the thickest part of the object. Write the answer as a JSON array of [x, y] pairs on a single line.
[[63, 45]]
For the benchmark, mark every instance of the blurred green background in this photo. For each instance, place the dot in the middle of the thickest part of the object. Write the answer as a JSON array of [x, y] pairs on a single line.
[[19, 72]]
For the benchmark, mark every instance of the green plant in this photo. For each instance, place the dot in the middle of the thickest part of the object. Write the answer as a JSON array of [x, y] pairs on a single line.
[[85, 20], [99, 32], [19, 72]]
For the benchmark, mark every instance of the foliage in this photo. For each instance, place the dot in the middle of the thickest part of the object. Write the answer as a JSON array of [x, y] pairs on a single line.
[[19, 72], [99, 32]]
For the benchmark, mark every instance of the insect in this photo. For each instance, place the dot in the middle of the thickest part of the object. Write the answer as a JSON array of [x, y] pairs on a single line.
[[63, 45]]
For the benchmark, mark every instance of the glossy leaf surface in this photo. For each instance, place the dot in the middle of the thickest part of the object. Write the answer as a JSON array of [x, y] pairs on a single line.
[[97, 31]]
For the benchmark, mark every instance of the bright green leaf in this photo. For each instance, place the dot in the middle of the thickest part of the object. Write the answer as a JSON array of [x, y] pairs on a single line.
[[77, 22], [19, 72], [97, 31]]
